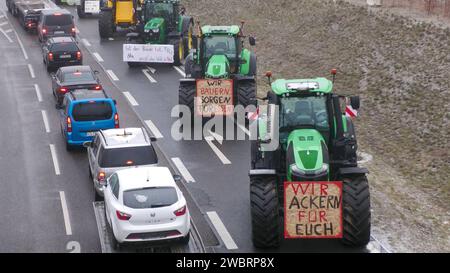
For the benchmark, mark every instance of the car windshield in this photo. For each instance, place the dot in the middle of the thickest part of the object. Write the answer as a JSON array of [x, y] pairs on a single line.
[[64, 47], [164, 10], [78, 77], [220, 45], [150, 197], [298, 112], [127, 156], [92, 111], [58, 20]]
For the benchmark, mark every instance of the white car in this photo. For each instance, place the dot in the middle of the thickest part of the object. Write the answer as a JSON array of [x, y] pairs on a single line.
[[144, 204]]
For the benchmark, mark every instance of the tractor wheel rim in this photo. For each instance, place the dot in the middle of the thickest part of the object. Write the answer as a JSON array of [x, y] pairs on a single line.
[[190, 43]]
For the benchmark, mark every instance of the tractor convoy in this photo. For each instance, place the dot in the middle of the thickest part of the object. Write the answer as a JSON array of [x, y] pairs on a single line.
[[303, 137]]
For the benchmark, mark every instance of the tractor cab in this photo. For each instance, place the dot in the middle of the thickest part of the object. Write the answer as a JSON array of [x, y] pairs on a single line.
[[159, 14]]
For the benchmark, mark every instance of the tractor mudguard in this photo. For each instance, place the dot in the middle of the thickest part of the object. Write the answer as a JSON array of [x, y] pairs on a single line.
[[262, 172], [352, 171], [187, 80], [185, 22]]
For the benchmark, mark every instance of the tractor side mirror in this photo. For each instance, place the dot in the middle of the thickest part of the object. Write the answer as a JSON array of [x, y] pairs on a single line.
[[252, 40], [355, 102]]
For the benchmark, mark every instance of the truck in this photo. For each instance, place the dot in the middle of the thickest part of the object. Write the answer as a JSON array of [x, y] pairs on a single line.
[[28, 11]]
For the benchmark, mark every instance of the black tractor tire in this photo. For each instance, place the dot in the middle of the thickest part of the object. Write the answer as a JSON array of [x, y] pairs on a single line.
[[252, 71], [189, 65], [186, 96], [188, 32], [356, 211], [106, 24], [80, 10], [177, 44], [265, 212], [246, 93]]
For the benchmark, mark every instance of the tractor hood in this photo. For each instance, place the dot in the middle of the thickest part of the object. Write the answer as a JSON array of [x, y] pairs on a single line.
[[155, 24], [218, 66], [307, 156]]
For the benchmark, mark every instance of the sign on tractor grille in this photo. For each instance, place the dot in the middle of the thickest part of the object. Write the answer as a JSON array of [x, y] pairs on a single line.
[[312, 210], [214, 98]]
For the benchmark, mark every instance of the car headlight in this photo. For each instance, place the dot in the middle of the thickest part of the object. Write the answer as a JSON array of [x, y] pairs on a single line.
[[296, 169]]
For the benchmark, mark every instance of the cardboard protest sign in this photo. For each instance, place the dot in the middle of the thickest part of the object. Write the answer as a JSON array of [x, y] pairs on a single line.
[[92, 6], [312, 210], [147, 53], [214, 97]]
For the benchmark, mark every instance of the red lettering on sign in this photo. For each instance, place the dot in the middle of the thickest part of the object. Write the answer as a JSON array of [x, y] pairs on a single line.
[[322, 216], [323, 189]]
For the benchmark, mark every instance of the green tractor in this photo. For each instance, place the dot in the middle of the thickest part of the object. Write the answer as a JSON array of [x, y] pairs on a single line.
[[162, 22], [312, 140], [220, 72]]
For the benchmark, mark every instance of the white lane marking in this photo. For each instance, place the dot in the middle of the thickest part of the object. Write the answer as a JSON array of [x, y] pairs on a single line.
[[86, 42], [30, 68], [65, 213], [130, 98], [112, 75], [151, 69], [38, 92], [55, 159], [183, 170], [147, 74], [25, 55], [73, 247], [220, 155], [6, 35], [99, 218], [245, 130], [3, 23], [45, 118], [222, 230], [98, 57], [156, 133], [179, 70], [8, 30], [217, 137]]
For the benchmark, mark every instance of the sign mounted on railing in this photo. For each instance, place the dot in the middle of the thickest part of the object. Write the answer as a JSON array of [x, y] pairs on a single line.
[[147, 53]]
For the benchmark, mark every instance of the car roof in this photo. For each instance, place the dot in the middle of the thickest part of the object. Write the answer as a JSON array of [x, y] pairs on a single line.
[[75, 68], [62, 39], [125, 137], [145, 177], [46, 12], [85, 94]]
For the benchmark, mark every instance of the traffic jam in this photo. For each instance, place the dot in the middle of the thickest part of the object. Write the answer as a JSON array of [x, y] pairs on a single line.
[[116, 70]]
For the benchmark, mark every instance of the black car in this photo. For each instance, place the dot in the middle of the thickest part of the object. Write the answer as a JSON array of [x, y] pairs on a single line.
[[61, 51], [55, 23], [71, 78]]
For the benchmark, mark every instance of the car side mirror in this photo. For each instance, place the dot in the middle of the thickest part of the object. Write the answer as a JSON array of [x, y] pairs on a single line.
[[87, 144], [96, 72], [177, 178], [252, 40], [355, 102], [153, 139], [115, 102]]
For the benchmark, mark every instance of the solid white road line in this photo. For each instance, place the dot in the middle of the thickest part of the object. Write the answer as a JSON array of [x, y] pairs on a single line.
[[55, 159], [8, 30], [147, 74], [220, 155], [217, 137], [30, 68], [98, 57], [183, 170], [6, 35], [179, 70], [156, 133], [25, 55], [130, 98], [45, 118], [112, 75], [86, 42], [222, 230], [38, 92], [151, 69], [65, 213]]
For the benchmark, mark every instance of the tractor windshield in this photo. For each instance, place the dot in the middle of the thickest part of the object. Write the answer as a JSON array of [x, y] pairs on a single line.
[[163, 10], [220, 45], [303, 112]]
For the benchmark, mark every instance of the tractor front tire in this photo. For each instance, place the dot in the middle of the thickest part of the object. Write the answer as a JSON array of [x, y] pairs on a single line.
[[186, 96], [80, 10], [264, 204], [356, 211], [106, 24], [246, 93]]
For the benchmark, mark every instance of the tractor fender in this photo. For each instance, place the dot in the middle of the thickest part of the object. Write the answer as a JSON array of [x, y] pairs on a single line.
[[262, 172], [187, 80], [185, 22], [352, 171]]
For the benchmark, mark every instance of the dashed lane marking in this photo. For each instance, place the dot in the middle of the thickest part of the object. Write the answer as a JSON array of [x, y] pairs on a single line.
[[222, 230], [183, 170], [156, 133]]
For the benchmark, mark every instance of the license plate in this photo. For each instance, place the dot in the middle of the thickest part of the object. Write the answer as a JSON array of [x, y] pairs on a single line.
[[90, 133], [59, 32], [65, 56]]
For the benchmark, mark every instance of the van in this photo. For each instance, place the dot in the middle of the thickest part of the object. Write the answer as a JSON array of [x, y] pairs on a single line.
[[55, 22]]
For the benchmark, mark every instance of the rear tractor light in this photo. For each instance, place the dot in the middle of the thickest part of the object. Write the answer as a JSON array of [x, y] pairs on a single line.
[[123, 216], [63, 90], [50, 56], [181, 211], [44, 31]]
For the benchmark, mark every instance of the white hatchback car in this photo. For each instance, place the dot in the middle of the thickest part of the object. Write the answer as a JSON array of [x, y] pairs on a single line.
[[144, 204]]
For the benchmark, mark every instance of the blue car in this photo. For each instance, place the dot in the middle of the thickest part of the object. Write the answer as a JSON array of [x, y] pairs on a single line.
[[83, 113]]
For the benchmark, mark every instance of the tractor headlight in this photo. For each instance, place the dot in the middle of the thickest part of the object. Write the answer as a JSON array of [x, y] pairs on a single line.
[[297, 170], [155, 30], [147, 30]]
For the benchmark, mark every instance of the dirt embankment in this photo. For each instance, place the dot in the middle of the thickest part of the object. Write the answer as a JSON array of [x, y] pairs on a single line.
[[401, 70]]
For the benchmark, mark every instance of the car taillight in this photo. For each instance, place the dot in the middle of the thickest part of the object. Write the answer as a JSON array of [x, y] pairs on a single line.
[[44, 31], [101, 178], [116, 120], [98, 87], [63, 90], [74, 30], [69, 124], [180, 211], [78, 55], [123, 216], [50, 56]]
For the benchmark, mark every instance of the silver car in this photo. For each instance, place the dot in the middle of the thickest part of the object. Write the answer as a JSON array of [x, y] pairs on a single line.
[[116, 149]]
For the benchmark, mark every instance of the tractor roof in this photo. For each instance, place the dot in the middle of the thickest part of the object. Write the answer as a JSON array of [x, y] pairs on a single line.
[[319, 85], [208, 30]]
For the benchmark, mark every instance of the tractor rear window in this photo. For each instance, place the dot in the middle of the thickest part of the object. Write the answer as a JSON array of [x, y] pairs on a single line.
[[92, 111], [150, 197], [58, 20], [128, 156]]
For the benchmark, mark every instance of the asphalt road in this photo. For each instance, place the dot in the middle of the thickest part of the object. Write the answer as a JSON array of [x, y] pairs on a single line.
[[34, 194]]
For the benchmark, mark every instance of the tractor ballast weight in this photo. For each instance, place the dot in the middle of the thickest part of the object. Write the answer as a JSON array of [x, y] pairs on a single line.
[[316, 142], [220, 57]]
